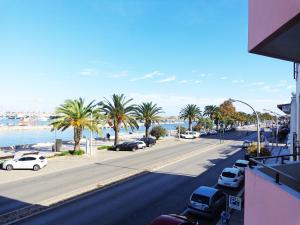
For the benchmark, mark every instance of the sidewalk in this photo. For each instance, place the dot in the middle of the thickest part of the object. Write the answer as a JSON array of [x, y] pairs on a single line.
[[61, 163]]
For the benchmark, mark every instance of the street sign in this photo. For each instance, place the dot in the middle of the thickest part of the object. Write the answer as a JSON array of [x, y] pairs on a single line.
[[235, 202]]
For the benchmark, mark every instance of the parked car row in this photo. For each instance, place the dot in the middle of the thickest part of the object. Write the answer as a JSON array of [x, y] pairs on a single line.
[[206, 201], [135, 145]]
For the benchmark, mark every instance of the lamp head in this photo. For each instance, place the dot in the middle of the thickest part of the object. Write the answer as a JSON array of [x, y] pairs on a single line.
[[231, 100]]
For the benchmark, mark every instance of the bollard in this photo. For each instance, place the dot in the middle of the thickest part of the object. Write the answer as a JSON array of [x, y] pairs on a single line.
[[225, 217]]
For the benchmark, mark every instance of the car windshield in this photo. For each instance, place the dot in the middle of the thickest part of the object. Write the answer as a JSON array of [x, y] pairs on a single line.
[[200, 198], [228, 174], [240, 165]]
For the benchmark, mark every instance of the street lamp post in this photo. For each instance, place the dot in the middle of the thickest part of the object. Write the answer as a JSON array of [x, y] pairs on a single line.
[[257, 121], [91, 137]]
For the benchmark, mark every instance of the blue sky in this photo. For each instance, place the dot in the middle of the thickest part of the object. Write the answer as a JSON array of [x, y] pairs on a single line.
[[171, 52]]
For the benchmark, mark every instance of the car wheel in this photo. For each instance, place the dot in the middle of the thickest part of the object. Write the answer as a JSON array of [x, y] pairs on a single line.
[[117, 149], [9, 167], [134, 149], [36, 167]]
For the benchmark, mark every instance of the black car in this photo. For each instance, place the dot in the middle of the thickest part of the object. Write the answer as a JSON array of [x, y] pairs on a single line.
[[148, 141], [126, 146]]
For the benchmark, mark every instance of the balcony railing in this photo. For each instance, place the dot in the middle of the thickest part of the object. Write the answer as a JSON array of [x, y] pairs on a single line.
[[280, 173]]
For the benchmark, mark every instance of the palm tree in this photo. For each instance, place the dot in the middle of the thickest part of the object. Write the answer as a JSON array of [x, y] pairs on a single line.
[[149, 113], [190, 112], [76, 114], [119, 111], [210, 111]]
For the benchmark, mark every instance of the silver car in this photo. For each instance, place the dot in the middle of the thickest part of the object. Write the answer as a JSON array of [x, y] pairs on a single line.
[[207, 201]]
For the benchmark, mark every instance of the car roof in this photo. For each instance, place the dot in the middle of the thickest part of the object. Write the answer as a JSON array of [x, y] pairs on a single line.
[[231, 170], [242, 161], [168, 219], [28, 155], [205, 191]]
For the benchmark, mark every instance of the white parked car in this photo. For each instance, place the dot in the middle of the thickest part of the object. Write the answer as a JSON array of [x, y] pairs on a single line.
[[190, 135], [141, 144], [241, 165], [34, 162], [231, 177]]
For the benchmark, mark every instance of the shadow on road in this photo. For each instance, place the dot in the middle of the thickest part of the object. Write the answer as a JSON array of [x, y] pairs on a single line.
[[231, 135]]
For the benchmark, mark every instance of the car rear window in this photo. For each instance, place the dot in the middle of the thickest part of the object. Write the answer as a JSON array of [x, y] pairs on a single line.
[[42, 157], [200, 198], [228, 174], [240, 165]]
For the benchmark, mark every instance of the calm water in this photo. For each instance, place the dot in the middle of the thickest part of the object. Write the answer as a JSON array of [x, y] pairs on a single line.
[[11, 138]]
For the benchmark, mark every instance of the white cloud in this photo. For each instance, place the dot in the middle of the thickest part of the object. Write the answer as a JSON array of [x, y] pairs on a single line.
[[183, 81], [224, 78], [88, 72], [269, 88], [121, 74], [238, 81], [148, 76], [205, 75], [198, 81], [291, 87], [168, 79]]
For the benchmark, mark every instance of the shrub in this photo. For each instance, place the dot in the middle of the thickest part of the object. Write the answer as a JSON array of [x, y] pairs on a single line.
[[158, 131], [252, 150], [77, 152], [282, 134], [182, 129], [105, 147]]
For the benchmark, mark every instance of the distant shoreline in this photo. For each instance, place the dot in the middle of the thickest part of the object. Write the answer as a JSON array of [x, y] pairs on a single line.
[[48, 127], [16, 128]]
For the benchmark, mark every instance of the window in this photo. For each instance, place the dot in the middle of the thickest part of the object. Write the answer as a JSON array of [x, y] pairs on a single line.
[[42, 158], [240, 165], [229, 174], [200, 198]]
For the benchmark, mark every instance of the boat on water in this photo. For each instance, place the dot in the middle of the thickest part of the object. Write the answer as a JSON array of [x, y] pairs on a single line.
[[24, 121]]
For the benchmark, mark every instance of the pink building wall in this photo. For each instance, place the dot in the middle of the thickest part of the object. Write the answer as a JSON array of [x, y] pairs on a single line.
[[267, 203], [267, 16]]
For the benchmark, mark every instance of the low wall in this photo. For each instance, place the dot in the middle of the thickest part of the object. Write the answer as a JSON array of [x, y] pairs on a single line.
[[267, 203]]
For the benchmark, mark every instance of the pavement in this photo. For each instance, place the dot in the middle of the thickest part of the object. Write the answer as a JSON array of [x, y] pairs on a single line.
[[61, 163]]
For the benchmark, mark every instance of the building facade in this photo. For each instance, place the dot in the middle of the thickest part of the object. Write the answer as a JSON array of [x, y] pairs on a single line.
[[272, 193]]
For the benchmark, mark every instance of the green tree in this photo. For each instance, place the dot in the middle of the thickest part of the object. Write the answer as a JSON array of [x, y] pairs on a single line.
[[191, 112], [228, 113], [76, 114], [119, 111], [158, 131], [210, 111], [148, 113], [203, 123]]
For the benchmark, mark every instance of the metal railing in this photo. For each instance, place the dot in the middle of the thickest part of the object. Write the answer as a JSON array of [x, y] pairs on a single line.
[[279, 177]]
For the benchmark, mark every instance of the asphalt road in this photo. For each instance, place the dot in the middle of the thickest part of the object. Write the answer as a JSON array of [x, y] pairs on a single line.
[[139, 200]]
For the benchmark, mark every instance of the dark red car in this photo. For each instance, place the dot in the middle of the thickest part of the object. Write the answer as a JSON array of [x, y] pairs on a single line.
[[171, 220]]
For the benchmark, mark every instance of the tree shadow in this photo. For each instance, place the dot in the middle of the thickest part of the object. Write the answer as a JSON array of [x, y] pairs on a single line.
[[230, 135]]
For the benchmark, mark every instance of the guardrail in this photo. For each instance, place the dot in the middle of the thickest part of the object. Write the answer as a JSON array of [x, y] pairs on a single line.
[[278, 176]]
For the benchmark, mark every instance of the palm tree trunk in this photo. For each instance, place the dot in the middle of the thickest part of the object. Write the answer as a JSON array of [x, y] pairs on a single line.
[[147, 130], [77, 137], [190, 124], [117, 129]]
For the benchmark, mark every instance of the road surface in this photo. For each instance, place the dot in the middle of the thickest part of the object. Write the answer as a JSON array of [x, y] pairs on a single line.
[[139, 200]]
